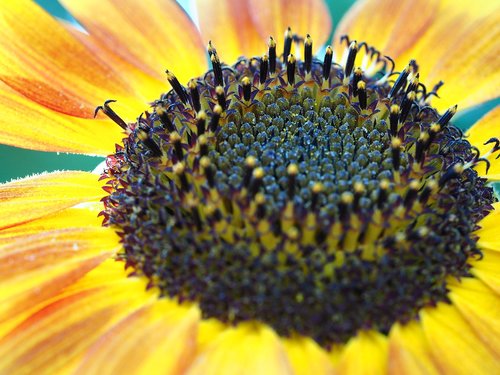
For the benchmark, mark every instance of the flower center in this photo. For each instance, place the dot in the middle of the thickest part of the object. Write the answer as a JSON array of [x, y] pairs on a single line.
[[317, 198]]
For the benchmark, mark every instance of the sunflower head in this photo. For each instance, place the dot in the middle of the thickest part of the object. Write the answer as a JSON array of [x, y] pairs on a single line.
[[318, 198]]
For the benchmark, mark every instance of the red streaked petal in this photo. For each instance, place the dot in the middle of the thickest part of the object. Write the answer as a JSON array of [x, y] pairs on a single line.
[[27, 124], [36, 267], [139, 343], [60, 332], [33, 197], [41, 60]]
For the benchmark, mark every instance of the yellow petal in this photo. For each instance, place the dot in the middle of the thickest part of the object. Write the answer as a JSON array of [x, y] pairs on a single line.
[[307, 357], [36, 267], [272, 18], [33, 197], [157, 339], [229, 25], [487, 268], [25, 123], [455, 346], [70, 218], [152, 35], [422, 30], [249, 348], [482, 131], [60, 332], [488, 232], [409, 352], [365, 354], [45, 63], [480, 307]]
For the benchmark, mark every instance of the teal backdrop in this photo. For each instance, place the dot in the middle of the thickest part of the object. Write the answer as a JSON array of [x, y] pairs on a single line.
[[16, 162]]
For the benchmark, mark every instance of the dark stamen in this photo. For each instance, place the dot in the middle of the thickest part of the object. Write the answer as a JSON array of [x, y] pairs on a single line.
[[106, 109], [178, 88], [290, 70], [272, 55], [287, 47], [327, 63], [308, 53], [264, 67], [351, 58]]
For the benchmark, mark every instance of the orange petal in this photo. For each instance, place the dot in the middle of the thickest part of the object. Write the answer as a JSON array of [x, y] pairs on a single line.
[[421, 30], [25, 123], [229, 25], [455, 346], [409, 352], [488, 232], [272, 18], [63, 330], [139, 343], [45, 63], [481, 309], [152, 35], [36, 267], [33, 197], [249, 348], [365, 354], [482, 131]]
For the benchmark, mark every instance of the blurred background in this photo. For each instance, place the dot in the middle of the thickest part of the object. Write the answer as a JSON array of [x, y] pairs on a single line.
[[18, 162]]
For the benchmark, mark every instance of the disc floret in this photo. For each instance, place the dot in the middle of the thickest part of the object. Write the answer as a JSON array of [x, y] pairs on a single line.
[[318, 198]]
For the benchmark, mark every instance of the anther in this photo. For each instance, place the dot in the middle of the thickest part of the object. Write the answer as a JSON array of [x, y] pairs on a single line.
[[411, 194], [216, 66], [257, 176], [362, 94], [396, 152], [317, 189], [221, 97], [195, 95], [203, 143], [214, 120], [178, 88], [406, 106], [351, 58], [165, 120], [180, 170], [106, 109], [413, 86], [452, 172], [264, 67], [287, 47], [383, 192], [143, 135], [290, 70], [357, 77], [250, 164], [429, 187], [176, 139], [208, 170], [400, 81], [422, 144], [260, 199], [444, 119], [394, 119], [201, 119], [308, 53], [327, 63], [247, 88], [359, 190], [346, 199], [272, 55], [292, 172]]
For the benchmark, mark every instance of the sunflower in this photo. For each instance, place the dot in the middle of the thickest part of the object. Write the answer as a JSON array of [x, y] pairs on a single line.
[[271, 212]]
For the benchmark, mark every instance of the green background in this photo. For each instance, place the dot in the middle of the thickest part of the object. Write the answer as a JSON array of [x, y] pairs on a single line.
[[16, 162]]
